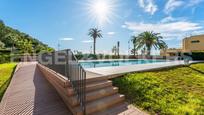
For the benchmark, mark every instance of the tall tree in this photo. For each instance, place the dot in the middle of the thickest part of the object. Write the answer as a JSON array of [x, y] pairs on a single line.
[[2, 26], [94, 33], [13, 38], [134, 38], [118, 48], [147, 40], [114, 50], [1, 45]]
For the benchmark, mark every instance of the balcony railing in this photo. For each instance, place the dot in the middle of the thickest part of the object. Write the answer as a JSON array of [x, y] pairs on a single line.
[[65, 63]]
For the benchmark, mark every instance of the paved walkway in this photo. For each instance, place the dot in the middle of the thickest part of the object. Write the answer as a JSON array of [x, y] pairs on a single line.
[[116, 71], [122, 109], [29, 93]]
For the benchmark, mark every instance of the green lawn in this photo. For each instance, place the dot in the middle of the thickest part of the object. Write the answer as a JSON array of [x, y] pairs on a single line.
[[6, 71], [171, 91]]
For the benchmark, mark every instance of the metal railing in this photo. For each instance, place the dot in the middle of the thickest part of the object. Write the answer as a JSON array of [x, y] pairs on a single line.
[[65, 63]]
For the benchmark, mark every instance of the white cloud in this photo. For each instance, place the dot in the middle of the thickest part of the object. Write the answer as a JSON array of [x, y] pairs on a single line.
[[148, 5], [87, 41], [170, 30], [198, 32], [111, 33], [194, 2], [167, 19], [172, 19], [123, 26], [67, 39], [171, 5], [181, 26], [141, 3]]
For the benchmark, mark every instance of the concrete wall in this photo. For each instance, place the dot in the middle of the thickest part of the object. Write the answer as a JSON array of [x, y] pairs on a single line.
[[194, 43], [190, 44], [170, 52]]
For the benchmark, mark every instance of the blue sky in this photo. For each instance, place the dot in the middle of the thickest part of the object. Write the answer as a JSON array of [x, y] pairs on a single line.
[[67, 21]]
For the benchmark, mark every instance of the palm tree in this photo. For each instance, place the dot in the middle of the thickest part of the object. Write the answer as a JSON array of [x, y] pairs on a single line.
[[118, 48], [147, 40], [134, 38], [95, 33], [114, 50]]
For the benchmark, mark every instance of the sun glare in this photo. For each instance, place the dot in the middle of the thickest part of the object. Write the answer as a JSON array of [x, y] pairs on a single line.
[[101, 11], [100, 8]]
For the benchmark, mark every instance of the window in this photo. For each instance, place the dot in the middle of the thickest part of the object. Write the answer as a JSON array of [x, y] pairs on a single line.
[[195, 41]]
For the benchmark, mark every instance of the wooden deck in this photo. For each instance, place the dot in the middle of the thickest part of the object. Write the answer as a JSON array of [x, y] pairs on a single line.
[[29, 93]]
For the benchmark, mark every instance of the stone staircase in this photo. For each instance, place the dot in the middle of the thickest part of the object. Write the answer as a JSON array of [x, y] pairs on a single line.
[[101, 95]]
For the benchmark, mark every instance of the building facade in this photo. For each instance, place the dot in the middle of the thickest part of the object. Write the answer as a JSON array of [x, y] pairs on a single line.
[[189, 44]]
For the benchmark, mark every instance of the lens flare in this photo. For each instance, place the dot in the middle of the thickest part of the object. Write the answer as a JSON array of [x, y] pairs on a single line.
[[102, 11]]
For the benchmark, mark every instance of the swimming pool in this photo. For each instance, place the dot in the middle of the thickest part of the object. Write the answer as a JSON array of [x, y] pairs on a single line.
[[109, 63]]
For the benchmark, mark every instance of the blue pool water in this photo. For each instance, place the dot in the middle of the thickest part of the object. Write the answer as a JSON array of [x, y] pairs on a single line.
[[95, 64]]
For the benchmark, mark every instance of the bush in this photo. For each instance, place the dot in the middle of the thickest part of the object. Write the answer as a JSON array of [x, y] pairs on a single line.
[[79, 56], [4, 58], [92, 56], [196, 55]]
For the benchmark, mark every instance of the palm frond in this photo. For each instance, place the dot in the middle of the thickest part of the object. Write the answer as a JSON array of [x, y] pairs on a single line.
[[149, 39]]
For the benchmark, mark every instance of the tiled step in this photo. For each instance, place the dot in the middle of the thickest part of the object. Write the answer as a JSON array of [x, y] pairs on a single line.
[[94, 95], [98, 85], [101, 93], [96, 79], [92, 86], [102, 104]]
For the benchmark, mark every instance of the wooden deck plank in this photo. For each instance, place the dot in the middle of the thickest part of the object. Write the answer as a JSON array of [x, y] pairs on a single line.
[[30, 93]]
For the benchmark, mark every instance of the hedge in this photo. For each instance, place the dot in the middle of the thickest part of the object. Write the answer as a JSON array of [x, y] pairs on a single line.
[[196, 55]]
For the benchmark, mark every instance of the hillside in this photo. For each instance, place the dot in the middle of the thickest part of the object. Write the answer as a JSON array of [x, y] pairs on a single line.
[[14, 39]]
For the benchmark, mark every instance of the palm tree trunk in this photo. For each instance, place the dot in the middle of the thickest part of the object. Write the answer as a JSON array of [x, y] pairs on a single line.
[[94, 46], [148, 52], [118, 49], [134, 50], [118, 52]]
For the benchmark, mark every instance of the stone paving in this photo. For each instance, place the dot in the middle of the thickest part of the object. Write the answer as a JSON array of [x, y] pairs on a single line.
[[117, 71]]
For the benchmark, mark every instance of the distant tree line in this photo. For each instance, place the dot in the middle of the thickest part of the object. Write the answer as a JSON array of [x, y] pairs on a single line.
[[14, 43], [13, 39]]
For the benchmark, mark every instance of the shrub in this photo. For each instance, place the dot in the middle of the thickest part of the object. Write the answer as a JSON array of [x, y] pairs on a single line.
[[4, 58], [196, 55]]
